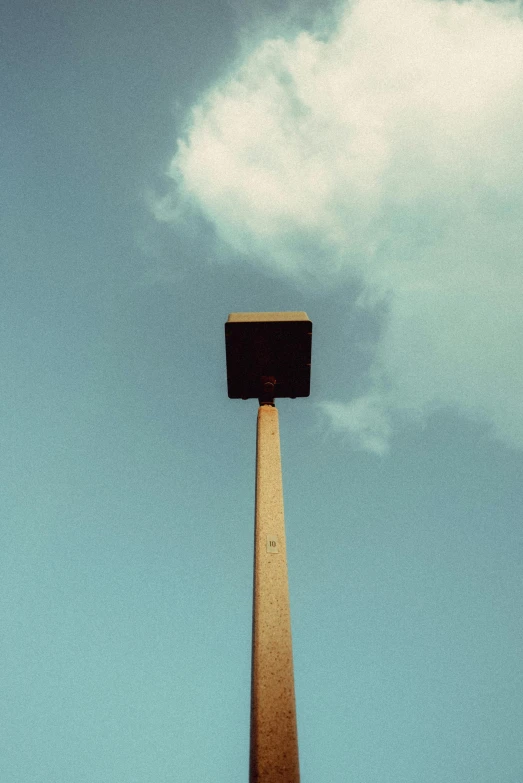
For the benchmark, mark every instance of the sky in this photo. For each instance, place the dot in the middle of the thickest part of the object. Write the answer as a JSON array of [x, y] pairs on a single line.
[[161, 166]]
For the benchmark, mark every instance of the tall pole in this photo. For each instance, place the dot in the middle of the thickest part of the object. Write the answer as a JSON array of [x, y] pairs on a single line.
[[274, 736]]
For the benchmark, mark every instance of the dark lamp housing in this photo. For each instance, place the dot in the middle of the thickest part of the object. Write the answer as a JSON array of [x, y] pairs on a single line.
[[268, 355]]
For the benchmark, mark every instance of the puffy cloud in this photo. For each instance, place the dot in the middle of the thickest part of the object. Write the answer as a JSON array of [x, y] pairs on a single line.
[[390, 150]]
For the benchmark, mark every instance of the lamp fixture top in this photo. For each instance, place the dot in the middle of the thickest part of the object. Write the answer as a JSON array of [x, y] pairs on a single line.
[[264, 317]]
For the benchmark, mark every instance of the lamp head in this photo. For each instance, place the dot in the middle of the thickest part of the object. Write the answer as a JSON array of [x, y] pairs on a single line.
[[268, 355]]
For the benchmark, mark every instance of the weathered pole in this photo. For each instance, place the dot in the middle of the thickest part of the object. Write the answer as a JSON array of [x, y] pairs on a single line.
[[274, 736], [269, 355]]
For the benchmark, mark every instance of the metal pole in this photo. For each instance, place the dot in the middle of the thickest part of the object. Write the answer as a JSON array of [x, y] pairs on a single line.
[[274, 736]]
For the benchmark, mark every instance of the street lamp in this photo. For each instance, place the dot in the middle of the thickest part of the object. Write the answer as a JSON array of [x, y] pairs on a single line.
[[268, 356]]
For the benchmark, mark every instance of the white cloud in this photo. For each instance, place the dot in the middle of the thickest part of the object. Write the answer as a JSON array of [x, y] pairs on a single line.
[[392, 150], [365, 421]]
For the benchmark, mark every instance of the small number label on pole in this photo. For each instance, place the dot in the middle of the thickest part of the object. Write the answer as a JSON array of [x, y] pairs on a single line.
[[272, 544]]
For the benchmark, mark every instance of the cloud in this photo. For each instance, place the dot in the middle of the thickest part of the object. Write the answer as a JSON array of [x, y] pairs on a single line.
[[390, 150], [365, 421]]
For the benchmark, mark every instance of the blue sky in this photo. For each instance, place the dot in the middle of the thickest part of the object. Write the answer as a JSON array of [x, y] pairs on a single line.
[[162, 166]]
